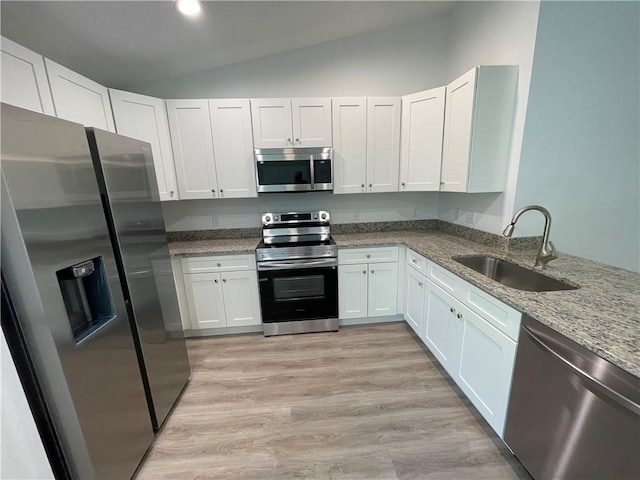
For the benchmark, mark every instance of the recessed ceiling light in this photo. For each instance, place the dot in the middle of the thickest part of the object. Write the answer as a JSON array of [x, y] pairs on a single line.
[[191, 8]]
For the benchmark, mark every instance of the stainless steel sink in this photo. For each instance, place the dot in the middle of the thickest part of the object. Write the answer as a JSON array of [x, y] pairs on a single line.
[[513, 275]]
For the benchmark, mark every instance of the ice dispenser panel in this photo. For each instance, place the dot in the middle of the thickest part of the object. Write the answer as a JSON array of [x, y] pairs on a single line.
[[87, 298]]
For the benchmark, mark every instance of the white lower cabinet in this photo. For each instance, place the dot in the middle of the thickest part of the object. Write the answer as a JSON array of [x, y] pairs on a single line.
[[218, 297], [472, 334], [367, 289]]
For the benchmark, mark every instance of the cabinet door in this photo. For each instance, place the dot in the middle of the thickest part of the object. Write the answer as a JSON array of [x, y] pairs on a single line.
[[383, 289], [421, 148], [352, 291], [24, 78], [458, 122], [78, 99], [145, 118], [192, 144], [485, 367], [311, 122], [349, 144], [241, 301], [383, 144], [414, 300], [440, 329], [272, 127], [233, 147], [204, 297]]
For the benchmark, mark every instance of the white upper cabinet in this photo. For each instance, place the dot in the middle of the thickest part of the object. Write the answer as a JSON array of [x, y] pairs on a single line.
[[383, 143], [285, 122], [349, 144], [24, 78], [78, 99], [145, 118], [421, 143], [233, 147], [192, 143], [366, 149], [311, 122], [477, 132]]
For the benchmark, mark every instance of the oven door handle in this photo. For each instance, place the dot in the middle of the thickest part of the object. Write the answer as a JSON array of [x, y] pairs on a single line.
[[297, 264]]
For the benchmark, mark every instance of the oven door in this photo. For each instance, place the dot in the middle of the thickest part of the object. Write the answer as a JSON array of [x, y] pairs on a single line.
[[298, 290]]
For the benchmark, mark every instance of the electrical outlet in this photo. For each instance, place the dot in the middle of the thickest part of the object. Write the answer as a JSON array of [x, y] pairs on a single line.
[[356, 214], [416, 212], [469, 218]]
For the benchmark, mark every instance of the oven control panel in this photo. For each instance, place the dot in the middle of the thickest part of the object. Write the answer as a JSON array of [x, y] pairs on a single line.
[[294, 218]]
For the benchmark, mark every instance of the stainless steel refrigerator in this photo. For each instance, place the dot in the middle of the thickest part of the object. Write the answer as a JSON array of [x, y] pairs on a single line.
[[92, 294]]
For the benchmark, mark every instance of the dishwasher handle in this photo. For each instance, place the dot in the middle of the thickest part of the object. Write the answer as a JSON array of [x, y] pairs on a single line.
[[589, 379]]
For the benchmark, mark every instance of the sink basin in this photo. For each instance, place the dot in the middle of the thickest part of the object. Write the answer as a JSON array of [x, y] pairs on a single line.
[[513, 275]]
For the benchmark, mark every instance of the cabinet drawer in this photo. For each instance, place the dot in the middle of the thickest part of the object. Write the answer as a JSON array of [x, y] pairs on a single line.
[[442, 277], [417, 261], [497, 313], [218, 264], [353, 256]]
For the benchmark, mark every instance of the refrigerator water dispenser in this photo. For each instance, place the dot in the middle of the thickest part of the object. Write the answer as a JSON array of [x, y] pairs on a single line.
[[87, 298]]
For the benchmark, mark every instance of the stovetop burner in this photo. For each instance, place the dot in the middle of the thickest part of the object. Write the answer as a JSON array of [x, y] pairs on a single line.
[[296, 235]]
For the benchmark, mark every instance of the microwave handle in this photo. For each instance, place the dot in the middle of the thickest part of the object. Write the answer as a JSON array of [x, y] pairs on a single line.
[[311, 167]]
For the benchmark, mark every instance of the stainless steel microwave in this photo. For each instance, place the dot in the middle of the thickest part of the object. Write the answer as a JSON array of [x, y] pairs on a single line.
[[294, 169]]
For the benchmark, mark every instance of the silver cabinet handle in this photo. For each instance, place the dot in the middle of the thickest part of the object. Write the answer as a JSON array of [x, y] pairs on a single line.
[[596, 384], [452, 310], [420, 284], [459, 315]]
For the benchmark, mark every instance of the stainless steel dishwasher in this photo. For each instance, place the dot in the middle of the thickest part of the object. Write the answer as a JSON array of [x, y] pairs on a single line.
[[572, 414]]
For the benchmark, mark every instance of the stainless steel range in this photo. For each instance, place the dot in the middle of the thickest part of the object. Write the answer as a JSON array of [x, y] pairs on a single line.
[[298, 273]]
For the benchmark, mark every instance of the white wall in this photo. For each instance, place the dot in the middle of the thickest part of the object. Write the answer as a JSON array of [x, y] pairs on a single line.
[[22, 455], [247, 212], [581, 150], [492, 33], [393, 61]]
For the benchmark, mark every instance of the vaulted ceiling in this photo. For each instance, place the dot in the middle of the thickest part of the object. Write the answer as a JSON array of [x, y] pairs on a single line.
[[123, 43]]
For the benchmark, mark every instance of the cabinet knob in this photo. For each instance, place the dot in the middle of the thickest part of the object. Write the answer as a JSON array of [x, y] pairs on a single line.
[[362, 185], [288, 140], [459, 315], [413, 260], [297, 140], [171, 193], [364, 271], [403, 184], [213, 190], [224, 280], [215, 281], [370, 185], [420, 284], [373, 271], [219, 264], [452, 310], [368, 255], [221, 190]]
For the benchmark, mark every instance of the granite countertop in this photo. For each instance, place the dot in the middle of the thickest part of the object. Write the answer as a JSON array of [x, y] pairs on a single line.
[[603, 314]]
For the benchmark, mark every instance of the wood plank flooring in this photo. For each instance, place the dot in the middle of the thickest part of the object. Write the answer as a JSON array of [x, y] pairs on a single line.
[[367, 402]]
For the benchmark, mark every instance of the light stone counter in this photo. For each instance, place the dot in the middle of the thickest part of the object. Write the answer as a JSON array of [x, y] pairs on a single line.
[[603, 314]]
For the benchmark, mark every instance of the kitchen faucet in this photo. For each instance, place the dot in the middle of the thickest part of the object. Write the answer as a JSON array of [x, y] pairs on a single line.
[[547, 251]]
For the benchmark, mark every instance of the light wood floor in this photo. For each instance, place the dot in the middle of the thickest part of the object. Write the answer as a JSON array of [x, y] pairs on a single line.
[[367, 402]]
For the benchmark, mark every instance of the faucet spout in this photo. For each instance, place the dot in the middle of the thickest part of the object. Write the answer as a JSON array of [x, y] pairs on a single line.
[[547, 251]]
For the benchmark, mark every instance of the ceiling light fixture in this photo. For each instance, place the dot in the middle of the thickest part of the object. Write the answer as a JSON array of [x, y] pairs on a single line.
[[190, 8]]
